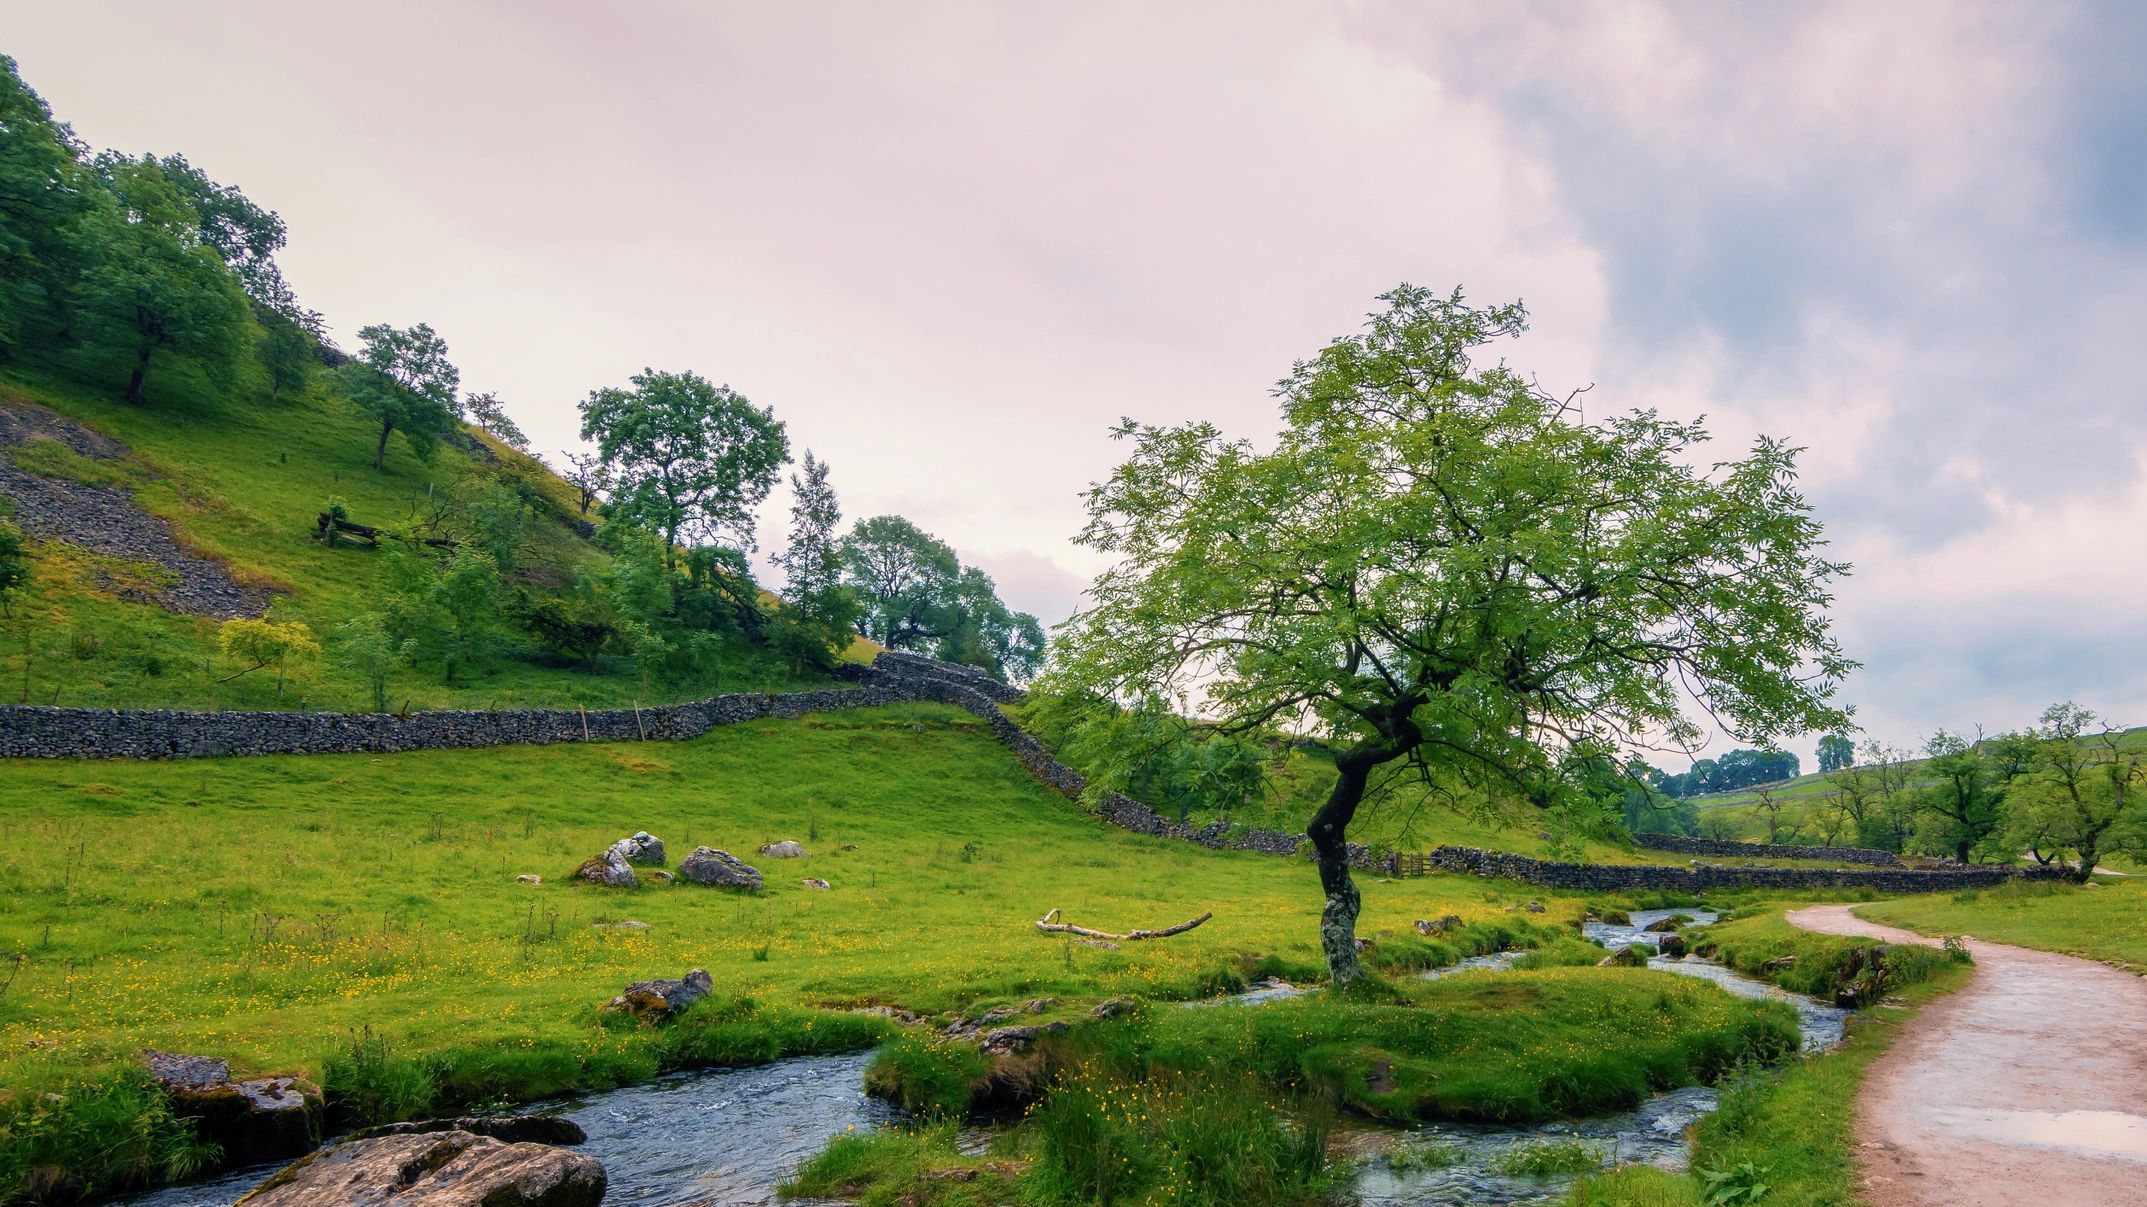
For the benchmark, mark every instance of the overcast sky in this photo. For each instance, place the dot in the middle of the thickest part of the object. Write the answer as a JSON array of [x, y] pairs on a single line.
[[950, 245]]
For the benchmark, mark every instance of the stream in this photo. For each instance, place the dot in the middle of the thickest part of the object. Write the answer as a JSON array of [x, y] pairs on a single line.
[[729, 1136]]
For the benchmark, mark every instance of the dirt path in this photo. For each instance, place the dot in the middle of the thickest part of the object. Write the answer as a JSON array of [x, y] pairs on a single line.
[[2029, 1086]]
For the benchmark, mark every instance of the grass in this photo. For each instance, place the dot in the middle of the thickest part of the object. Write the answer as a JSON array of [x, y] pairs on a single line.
[[2104, 921], [240, 481], [356, 919]]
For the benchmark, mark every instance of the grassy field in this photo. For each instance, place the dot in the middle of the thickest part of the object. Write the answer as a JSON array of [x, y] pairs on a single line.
[[358, 917], [241, 480], [2105, 921]]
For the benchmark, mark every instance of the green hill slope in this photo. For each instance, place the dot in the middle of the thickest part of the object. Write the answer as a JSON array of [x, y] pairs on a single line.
[[240, 481]]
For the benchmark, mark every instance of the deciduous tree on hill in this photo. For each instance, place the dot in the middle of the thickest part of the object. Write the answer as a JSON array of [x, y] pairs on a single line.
[[403, 379], [692, 459], [1440, 564]]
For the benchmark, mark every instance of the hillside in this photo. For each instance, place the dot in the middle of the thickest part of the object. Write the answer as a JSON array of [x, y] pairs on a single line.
[[240, 480]]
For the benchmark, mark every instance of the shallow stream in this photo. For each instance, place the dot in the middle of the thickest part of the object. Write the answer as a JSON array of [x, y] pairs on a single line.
[[729, 1136]]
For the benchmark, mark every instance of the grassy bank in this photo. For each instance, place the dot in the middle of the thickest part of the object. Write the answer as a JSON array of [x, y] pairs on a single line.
[[2106, 921], [1790, 1130]]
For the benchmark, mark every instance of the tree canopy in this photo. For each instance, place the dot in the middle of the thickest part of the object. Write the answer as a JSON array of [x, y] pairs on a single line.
[[402, 377], [1442, 564], [690, 459], [917, 595]]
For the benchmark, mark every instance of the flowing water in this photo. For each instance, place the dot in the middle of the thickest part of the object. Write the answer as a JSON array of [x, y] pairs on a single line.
[[729, 1136]]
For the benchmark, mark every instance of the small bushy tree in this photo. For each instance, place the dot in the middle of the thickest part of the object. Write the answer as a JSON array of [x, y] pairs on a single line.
[[363, 646], [403, 379], [253, 645]]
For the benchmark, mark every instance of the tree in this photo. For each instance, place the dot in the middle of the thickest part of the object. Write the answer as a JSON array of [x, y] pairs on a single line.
[[488, 413], [2079, 794], [692, 460], [444, 615], [403, 379], [287, 352], [253, 645], [364, 646], [1772, 810], [154, 284], [1440, 565], [1836, 752], [904, 575], [1957, 792], [45, 198], [589, 476], [818, 611], [244, 236]]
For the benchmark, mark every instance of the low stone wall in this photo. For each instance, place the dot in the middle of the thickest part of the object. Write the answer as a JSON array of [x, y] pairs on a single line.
[[101, 733], [1764, 850], [1598, 876]]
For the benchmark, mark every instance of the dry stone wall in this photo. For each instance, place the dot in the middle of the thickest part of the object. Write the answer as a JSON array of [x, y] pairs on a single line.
[[1595, 876], [1764, 850]]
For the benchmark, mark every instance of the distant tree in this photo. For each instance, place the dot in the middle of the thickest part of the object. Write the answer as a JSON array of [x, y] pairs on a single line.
[[253, 645], [1439, 565], [692, 459], [1831, 817], [1957, 793], [1773, 810], [818, 610], [2082, 795], [46, 196], [363, 646], [287, 352], [403, 379], [1836, 752], [589, 476], [445, 616], [154, 284], [488, 413], [904, 576]]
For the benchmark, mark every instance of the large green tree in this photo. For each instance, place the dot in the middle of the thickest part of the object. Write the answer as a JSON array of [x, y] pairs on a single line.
[[45, 197], [403, 379], [2082, 795], [904, 575], [691, 459], [154, 283], [1439, 565], [1960, 794]]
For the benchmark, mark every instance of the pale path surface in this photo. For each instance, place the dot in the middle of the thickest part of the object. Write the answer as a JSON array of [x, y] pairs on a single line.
[[2029, 1086]]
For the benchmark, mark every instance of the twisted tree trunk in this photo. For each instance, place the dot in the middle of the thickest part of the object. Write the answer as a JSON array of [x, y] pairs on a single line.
[[1330, 847]]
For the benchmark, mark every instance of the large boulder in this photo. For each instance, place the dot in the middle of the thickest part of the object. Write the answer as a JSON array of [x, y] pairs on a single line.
[[436, 1169], [514, 1129], [1632, 955], [708, 865], [659, 1000], [643, 847], [610, 869], [260, 1119], [785, 849]]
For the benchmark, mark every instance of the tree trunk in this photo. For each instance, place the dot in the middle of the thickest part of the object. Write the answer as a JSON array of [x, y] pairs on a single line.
[[380, 450], [1961, 852], [2086, 871], [134, 381], [1330, 847]]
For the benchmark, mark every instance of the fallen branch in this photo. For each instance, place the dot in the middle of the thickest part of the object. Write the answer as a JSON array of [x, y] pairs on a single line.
[[1050, 923]]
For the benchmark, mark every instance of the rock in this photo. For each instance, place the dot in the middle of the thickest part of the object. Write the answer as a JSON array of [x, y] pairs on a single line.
[[622, 924], [1778, 963], [815, 883], [966, 1027], [710, 866], [525, 878], [261, 1119], [1365, 943], [1114, 1007], [655, 1001], [895, 1014], [1535, 907], [436, 1169], [664, 877], [1098, 944], [1673, 946], [1633, 955], [1616, 917], [643, 847], [1666, 925], [848, 846], [514, 1129], [785, 849], [1707, 951], [608, 869], [1005, 1040], [1445, 925]]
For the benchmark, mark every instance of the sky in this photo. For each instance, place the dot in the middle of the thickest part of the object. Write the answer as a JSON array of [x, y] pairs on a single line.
[[952, 244]]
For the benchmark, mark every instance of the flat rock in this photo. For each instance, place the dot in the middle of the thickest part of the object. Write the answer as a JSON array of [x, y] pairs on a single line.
[[514, 1129], [815, 882], [259, 1119], [436, 1169], [708, 865], [785, 849]]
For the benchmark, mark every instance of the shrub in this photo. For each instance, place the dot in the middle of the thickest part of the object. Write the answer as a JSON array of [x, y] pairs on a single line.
[[1544, 1158], [367, 1083], [80, 1138]]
